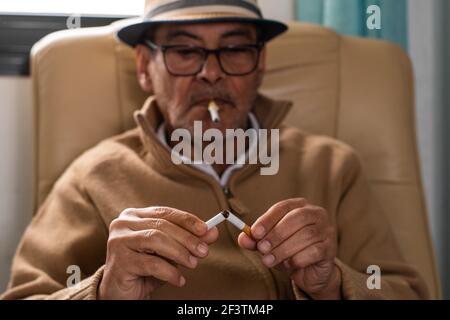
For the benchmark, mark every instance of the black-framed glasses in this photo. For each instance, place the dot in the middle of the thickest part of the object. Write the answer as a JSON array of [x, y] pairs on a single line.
[[188, 60]]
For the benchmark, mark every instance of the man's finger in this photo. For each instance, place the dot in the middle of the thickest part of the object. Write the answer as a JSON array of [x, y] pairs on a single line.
[[211, 236], [246, 242], [156, 241], [309, 256], [181, 218], [194, 244], [285, 267], [143, 265], [291, 223], [306, 237], [270, 218]]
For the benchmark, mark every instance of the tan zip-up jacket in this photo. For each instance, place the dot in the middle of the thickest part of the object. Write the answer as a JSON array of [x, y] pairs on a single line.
[[134, 170]]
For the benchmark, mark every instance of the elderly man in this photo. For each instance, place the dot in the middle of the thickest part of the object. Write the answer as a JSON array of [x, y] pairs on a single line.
[[133, 221]]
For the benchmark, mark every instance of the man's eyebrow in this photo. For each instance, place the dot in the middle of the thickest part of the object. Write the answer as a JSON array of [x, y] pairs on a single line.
[[180, 33], [238, 33]]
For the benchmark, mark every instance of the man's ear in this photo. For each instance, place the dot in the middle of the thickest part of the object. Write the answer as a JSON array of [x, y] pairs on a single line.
[[143, 61]]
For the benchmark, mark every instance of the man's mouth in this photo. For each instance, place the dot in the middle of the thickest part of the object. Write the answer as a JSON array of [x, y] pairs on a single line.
[[221, 103]]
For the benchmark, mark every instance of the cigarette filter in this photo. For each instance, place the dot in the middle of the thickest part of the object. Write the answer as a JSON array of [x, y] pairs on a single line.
[[238, 223], [214, 112]]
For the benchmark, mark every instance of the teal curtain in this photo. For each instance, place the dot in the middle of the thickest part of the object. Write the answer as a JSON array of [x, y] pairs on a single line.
[[350, 17]]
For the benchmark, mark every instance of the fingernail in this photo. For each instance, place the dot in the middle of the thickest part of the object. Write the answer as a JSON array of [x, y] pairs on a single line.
[[202, 248], [264, 246], [259, 231], [268, 260], [182, 281], [193, 260]]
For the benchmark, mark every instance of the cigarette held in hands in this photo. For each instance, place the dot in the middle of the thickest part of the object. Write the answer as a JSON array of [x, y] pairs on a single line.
[[238, 223], [214, 221], [227, 215], [213, 109]]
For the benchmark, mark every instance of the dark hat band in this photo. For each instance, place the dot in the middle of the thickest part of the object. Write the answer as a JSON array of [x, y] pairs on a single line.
[[183, 4]]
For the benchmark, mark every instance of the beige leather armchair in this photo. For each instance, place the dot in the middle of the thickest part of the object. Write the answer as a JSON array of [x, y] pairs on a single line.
[[357, 90]]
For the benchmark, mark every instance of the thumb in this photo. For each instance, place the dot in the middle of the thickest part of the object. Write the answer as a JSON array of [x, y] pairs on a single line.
[[246, 242]]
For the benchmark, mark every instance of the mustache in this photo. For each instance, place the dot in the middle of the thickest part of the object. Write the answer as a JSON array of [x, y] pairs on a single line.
[[210, 93]]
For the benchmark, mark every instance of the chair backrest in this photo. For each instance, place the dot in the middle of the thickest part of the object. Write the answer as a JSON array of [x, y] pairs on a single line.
[[357, 90]]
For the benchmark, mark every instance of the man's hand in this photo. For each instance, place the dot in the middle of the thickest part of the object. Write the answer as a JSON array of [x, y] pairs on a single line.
[[145, 248], [297, 237]]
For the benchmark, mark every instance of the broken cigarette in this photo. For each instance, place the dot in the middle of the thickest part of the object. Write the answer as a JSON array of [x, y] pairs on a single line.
[[214, 221], [238, 223], [235, 221], [214, 112]]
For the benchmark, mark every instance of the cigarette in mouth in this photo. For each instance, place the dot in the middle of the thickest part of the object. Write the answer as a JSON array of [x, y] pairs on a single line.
[[214, 112], [238, 223]]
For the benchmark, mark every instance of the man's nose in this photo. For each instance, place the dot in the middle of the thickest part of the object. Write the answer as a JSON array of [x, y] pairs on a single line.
[[211, 71]]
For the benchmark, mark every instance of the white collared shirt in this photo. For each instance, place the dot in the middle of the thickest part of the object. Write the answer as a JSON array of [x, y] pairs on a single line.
[[208, 169]]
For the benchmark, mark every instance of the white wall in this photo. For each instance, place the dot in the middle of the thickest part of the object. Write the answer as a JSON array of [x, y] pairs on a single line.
[[278, 9], [426, 51], [15, 167]]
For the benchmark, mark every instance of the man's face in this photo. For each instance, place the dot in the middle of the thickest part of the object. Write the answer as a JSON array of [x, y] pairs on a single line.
[[184, 99]]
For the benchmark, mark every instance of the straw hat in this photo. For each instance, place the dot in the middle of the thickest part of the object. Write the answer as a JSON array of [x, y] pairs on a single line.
[[198, 11]]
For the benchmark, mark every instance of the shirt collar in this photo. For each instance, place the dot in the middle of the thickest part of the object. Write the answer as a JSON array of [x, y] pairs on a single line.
[[206, 168]]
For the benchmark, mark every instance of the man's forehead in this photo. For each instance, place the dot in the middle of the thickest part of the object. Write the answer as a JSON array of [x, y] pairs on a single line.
[[205, 30]]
